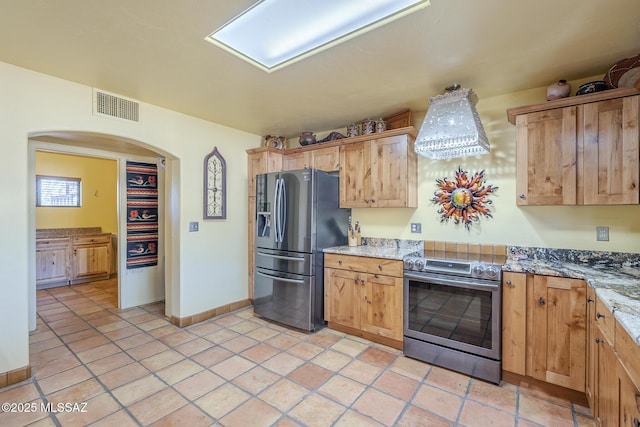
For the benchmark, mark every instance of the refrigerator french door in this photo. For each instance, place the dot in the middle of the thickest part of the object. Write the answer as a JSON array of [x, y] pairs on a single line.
[[298, 215]]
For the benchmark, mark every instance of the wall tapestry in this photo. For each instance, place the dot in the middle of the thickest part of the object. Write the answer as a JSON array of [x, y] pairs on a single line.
[[465, 199], [142, 215]]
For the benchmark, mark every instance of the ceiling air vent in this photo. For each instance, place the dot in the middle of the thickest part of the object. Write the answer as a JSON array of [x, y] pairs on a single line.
[[114, 106]]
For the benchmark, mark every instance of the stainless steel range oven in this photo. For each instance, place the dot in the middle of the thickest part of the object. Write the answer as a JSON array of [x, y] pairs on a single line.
[[452, 315]]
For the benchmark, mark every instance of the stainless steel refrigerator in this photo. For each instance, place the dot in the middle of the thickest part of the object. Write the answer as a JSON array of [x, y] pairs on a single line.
[[297, 216]]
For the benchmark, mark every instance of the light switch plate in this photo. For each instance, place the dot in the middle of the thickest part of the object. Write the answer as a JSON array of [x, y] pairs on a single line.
[[602, 234], [193, 226], [416, 227]]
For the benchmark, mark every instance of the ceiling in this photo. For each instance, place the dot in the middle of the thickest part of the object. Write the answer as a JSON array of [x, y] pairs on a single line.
[[154, 51]]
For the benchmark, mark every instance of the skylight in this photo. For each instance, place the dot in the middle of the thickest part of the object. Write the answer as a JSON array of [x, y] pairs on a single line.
[[275, 33]]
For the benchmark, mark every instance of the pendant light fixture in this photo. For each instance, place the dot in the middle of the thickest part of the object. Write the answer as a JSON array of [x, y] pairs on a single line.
[[452, 126]]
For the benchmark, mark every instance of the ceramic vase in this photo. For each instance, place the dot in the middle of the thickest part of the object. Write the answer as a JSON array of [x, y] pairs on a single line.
[[560, 89], [368, 127], [307, 138]]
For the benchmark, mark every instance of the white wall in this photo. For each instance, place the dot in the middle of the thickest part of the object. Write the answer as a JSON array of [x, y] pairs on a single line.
[[208, 268]]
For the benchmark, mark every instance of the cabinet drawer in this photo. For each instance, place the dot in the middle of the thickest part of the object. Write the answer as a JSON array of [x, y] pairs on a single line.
[[44, 244], [605, 321], [95, 239], [388, 267]]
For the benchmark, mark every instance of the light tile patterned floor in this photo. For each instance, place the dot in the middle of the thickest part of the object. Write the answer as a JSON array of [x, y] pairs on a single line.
[[132, 367]]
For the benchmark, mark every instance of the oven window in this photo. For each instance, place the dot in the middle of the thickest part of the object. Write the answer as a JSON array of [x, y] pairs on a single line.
[[459, 314]]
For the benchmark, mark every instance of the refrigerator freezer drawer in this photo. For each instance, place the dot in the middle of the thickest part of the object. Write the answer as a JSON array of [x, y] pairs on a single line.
[[285, 298], [291, 262]]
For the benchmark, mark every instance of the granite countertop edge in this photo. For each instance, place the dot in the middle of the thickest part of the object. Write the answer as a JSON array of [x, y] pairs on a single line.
[[618, 289], [383, 252]]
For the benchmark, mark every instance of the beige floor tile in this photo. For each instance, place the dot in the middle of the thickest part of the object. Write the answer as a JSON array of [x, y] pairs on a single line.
[[324, 339], [157, 406], [179, 371], [64, 379], [119, 419], [88, 343], [438, 401], [50, 355], [96, 408], [376, 357], [189, 415], [410, 368], [332, 360], [221, 336], [396, 385], [417, 417], [284, 395], [259, 353], [286, 422], [177, 338], [22, 392], [39, 336], [262, 333], [253, 413], [162, 360], [152, 324], [204, 328], [55, 367], [539, 394], [43, 422], [193, 347], [448, 380], [474, 414], [110, 363], [310, 376], [223, 400], [544, 412], [489, 394], [163, 331], [212, 356], [341, 389], [352, 418], [122, 333], [283, 363], [147, 350], [137, 390], [228, 320], [361, 372], [239, 344], [39, 346], [22, 418], [316, 411], [381, 407], [244, 327], [78, 392], [113, 326], [256, 380], [232, 367], [142, 318], [70, 328], [135, 340], [80, 335], [199, 384], [305, 350], [97, 353], [123, 375], [349, 347], [282, 341]]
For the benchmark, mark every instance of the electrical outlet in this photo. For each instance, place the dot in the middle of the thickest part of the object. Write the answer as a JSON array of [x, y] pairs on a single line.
[[193, 226], [602, 234], [416, 227]]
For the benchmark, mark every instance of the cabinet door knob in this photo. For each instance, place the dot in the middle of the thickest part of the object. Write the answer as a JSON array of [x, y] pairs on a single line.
[[340, 261], [508, 283], [589, 299], [373, 200], [522, 196], [362, 281], [598, 315], [379, 266], [366, 200], [541, 301], [355, 280], [636, 422]]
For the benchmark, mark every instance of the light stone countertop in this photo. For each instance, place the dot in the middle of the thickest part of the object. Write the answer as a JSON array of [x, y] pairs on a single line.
[[618, 287], [372, 251]]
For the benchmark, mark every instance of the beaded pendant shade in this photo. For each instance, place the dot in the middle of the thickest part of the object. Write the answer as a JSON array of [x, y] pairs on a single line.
[[452, 126]]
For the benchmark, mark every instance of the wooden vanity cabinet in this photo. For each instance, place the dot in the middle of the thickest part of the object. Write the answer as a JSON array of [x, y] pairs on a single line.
[[544, 332], [91, 257], [581, 150], [52, 261], [363, 297], [379, 173]]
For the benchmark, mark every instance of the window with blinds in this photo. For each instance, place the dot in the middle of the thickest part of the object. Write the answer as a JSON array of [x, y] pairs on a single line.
[[58, 191]]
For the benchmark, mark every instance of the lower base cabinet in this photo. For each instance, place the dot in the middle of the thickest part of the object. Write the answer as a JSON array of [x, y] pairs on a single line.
[[363, 297]]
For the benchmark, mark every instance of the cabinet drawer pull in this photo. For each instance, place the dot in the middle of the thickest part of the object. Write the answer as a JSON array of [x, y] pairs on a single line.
[[379, 266], [373, 200], [598, 315], [600, 340], [522, 196], [636, 422], [508, 283], [589, 299], [362, 281], [355, 280], [340, 261], [541, 301], [366, 200]]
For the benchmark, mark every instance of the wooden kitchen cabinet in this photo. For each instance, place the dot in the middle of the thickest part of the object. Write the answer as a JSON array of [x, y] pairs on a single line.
[[259, 160], [544, 333], [52, 260], [581, 150], [326, 159], [629, 410], [363, 297], [379, 173], [91, 257]]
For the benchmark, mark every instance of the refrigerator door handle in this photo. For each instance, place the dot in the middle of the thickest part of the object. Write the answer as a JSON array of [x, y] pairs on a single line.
[[283, 208], [276, 210], [281, 279], [288, 258]]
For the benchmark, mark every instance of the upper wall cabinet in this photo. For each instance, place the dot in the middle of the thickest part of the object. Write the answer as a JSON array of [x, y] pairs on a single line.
[[379, 173], [581, 150]]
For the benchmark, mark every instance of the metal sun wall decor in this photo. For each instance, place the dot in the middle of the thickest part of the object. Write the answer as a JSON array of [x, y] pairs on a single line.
[[465, 199]]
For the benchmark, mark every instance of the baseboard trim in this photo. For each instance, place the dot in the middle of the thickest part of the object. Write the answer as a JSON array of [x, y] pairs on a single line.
[[15, 376], [575, 396], [209, 314]]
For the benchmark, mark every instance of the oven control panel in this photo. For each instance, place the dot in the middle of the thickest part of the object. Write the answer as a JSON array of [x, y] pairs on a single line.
[[474, 269]]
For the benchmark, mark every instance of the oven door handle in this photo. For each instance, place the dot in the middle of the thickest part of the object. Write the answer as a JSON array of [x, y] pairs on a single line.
[[460, 283]]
